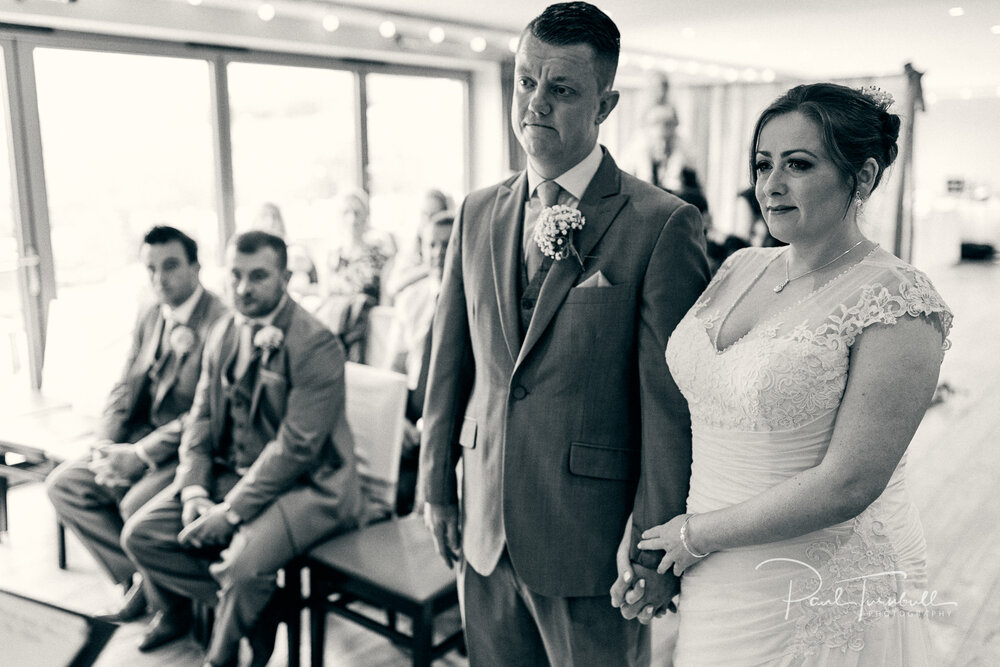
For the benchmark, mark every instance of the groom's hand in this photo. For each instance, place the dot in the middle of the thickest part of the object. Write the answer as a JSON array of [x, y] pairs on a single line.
[[652, 596], [442, 520]]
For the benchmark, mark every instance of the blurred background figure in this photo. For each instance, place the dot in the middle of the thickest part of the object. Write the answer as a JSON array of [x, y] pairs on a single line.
[[414, 310], [304, 283], [409, 265], [655, 153], [352, 280]]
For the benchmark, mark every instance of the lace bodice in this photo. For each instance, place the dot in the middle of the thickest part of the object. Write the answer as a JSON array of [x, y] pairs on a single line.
[[763, 409], [791, 368]]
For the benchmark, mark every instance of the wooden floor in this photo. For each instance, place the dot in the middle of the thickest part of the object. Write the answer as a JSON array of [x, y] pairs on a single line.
[[954, 476]]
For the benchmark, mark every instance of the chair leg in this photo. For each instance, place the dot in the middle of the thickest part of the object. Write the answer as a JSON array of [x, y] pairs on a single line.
[[423, 637], [61, 546], [3, 504], [317, 624], [293, 614]]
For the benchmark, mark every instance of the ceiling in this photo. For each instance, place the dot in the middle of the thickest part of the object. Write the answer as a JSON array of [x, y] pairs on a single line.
[[812, 39]]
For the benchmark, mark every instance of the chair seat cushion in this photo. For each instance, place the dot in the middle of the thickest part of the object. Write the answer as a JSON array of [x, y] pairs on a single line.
[[397, 556]]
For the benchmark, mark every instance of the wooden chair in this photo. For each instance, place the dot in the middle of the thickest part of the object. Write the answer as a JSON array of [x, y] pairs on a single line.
[[389, 564]]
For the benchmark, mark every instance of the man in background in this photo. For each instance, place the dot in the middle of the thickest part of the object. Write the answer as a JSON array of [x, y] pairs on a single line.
[[136, 452], [266, 469]]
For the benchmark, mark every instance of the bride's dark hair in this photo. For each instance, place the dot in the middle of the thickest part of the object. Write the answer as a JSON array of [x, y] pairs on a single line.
[[856, 125]]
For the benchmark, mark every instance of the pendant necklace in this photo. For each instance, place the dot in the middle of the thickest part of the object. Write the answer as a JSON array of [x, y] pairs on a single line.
[[784, 283]]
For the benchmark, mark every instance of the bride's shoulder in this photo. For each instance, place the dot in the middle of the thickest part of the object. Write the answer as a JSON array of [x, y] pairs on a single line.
[[886, 288]]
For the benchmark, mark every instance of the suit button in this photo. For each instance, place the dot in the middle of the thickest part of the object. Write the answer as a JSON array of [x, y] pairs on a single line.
[[519, 392], [527, 303]]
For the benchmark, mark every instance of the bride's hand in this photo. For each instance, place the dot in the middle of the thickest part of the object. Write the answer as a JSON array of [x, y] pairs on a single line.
[[667, 537]]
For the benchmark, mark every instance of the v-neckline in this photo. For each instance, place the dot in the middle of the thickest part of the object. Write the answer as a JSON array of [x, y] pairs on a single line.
[[760, 323]]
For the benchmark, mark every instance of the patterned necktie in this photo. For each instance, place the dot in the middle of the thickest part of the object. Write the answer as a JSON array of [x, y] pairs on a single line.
[[548, 195]]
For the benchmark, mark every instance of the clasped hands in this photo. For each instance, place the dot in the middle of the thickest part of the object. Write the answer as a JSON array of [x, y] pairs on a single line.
[[115, 464], [642, 593], [205, 523]]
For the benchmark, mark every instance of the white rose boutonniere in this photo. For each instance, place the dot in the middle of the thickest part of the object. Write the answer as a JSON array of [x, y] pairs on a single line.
[[552, 232], [268, 339], [182, 339]]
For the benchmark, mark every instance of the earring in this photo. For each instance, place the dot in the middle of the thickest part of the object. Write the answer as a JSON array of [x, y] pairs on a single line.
[[858, 199]]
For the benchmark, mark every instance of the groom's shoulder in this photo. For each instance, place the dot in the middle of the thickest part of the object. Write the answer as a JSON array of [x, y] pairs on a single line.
[[487, 194], [649, 195]]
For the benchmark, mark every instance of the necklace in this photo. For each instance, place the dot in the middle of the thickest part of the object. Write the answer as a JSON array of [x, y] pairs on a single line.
[[784, 283]]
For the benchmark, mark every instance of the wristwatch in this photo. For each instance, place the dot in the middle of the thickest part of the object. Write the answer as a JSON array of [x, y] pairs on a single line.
[[231, 516]]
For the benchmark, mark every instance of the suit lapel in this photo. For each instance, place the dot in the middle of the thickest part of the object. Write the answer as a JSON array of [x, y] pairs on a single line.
[[147, 355], [600, 206], [227, 357], [282, 320], [505, 250], [176, 361]]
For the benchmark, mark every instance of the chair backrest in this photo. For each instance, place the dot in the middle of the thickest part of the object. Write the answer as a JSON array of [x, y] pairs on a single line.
[[376, 413], [385, 338]]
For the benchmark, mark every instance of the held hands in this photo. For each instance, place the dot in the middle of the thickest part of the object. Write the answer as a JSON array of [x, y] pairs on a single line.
[[194, 508], [442, 520], [667, 537], [639, 592], [209, 527], [116, 465]]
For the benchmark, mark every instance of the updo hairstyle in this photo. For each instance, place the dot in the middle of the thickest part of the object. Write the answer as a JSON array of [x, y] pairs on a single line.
[[856, 125]]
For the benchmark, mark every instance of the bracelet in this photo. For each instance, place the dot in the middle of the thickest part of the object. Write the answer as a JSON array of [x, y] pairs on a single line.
[[684, 539]]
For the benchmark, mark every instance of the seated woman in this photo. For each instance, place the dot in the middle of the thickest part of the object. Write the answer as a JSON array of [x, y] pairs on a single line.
[[353, 276]]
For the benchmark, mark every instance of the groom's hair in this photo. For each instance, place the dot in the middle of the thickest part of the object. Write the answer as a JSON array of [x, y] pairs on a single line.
[[568, 23], [250, 242], [163, 234]]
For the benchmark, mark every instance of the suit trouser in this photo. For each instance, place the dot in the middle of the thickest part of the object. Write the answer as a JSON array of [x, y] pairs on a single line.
[[239, 585], [506, 623], [96, 513]]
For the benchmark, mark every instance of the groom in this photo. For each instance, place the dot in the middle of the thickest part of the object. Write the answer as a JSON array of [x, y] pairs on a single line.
[[547, 375]]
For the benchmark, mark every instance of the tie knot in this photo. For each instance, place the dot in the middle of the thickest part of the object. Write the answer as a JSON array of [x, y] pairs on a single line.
[[548, 193]]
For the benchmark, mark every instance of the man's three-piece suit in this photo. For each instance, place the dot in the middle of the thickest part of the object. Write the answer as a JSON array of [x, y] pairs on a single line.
[[557, 399], [145, 407], [273, 442]]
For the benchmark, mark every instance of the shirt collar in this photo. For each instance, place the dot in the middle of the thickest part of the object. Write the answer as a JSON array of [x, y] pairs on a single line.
[[263, 320], [182, 313], [576, 179]]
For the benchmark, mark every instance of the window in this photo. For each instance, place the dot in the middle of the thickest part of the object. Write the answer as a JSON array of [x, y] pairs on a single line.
[[294, 135], [416, 130], [127, 144]]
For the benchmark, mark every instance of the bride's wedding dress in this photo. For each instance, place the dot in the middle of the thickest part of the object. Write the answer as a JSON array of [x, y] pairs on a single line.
[[762, 410]]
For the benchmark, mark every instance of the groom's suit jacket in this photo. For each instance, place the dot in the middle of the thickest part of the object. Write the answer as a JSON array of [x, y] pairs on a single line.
[[297, 405], [146, 404], [562, 433]]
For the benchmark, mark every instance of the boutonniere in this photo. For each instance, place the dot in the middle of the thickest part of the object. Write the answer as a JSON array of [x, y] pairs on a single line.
[[268, 339], [552, 232], [182, 339]]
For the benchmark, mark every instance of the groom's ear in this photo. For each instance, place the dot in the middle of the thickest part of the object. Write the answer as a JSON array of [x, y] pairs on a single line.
[[609, 100]]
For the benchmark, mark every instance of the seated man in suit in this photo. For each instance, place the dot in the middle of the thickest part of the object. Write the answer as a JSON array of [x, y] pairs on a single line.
[[136, 454], [266, 469], [414, 307]]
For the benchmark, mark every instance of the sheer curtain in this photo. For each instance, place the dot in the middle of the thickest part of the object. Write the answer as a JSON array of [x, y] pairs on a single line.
[[716, 122]]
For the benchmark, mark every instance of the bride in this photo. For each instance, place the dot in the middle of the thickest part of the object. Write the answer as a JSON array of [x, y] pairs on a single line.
[[807, 369]]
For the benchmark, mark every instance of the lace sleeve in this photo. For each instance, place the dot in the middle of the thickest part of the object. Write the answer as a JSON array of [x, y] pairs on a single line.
[[912, 294]]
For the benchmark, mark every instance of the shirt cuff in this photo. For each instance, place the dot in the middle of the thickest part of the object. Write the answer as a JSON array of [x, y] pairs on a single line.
[[190, 492]]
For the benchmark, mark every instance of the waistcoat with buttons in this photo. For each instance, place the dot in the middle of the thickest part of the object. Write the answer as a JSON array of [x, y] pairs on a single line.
[[529, 291], [242, 443]]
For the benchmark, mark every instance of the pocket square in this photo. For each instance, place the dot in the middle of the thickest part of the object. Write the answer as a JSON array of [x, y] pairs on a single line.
[[595, 280]]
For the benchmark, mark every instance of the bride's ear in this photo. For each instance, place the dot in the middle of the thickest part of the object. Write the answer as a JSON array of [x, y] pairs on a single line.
[[866, 177]]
